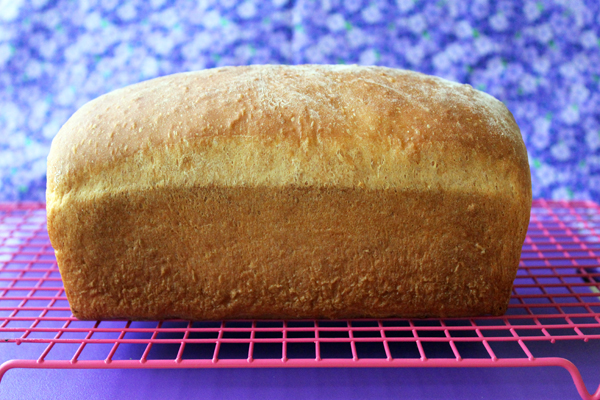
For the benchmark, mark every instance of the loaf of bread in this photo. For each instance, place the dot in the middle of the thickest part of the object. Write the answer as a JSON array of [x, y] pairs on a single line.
[[289, 192]]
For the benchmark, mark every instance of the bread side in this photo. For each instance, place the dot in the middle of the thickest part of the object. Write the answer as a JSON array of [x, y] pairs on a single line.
[[289, 192]]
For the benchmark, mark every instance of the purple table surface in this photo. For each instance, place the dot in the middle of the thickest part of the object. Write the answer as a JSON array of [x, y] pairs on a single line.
[[307, 383]]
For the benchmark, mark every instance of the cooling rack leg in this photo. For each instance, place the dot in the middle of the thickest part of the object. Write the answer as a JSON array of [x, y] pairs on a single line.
[[537, 362], [578, 380], [3, 369], [9, 365]]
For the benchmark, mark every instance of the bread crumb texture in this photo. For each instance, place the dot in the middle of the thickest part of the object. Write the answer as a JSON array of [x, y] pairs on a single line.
[[289, 192]]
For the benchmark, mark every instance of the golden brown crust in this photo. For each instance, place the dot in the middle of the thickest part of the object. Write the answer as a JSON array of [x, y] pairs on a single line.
[[215, 253], [289, 192]]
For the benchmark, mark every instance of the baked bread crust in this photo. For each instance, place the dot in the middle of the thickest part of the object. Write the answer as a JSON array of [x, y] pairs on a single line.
[[289, 192]]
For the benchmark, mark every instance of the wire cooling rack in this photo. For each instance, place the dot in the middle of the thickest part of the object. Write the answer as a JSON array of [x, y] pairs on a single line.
[[555, 297]]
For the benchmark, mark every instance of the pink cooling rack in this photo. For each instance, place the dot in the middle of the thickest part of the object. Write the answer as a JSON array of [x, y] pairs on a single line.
[[555, 297]]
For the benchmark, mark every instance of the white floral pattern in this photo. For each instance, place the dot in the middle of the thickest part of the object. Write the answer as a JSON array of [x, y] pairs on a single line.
[[542, 58]]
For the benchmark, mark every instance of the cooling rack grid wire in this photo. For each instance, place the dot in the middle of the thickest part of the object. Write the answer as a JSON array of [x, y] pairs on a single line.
[[555, 297]]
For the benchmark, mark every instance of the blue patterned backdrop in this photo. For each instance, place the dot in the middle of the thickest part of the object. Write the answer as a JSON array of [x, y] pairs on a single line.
[[542, 58]]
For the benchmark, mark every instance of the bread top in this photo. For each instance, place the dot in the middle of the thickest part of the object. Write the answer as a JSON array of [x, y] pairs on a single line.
[[272, 125]]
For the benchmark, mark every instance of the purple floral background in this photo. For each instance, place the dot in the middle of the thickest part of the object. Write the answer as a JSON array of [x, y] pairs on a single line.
[[542, 58]]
